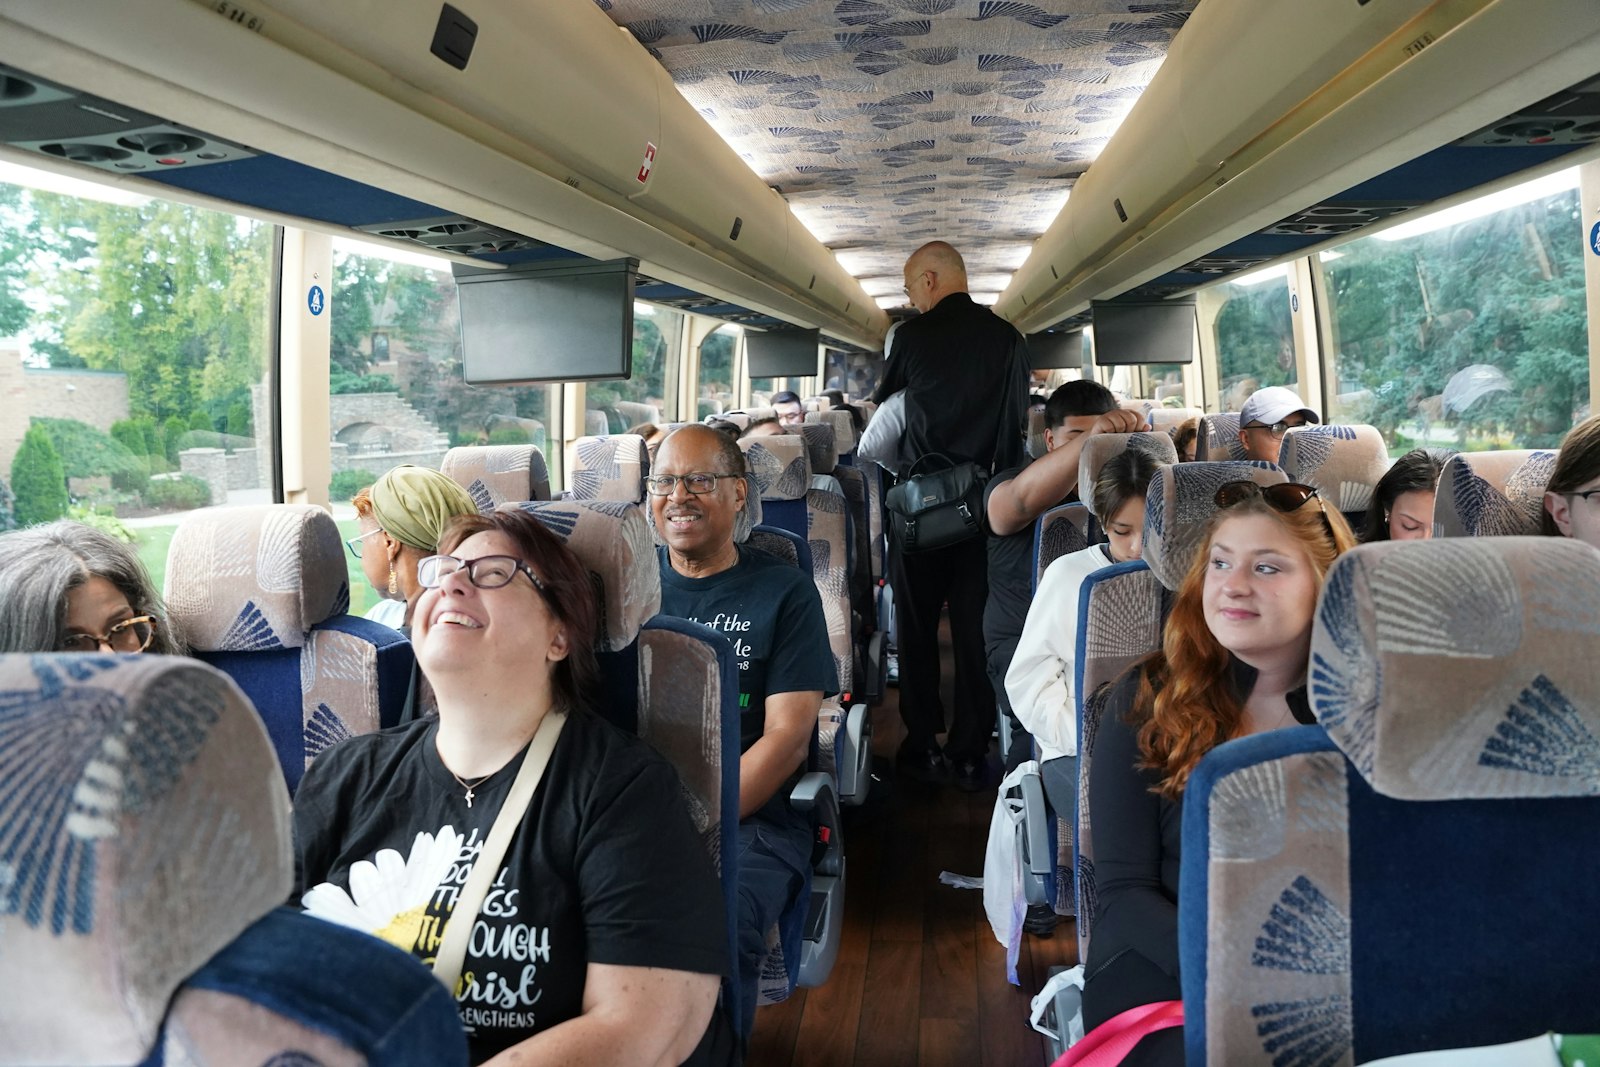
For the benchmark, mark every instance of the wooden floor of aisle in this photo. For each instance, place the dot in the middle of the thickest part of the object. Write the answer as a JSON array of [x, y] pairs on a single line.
[[920, 980]]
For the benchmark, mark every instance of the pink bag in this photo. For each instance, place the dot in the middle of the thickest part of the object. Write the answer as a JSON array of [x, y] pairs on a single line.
[[1107, 1044]]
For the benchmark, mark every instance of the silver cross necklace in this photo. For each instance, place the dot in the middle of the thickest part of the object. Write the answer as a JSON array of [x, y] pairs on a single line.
[[469, 786]]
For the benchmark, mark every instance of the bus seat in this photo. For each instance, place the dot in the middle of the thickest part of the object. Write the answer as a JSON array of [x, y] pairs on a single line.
[[498, 474], [1492, 494], [1334, 875], [609, 468], [781, 469], [844, 428], [689, 712], [1344, 463], [595, 423], [1169, 392], [146, 833], [821, 446], [785, 544], [613, 541], [1121, 612], [1218, 439], [740, 419], [1061, 530], [1101, 448], [261, 593], [633, 412], [1165, 420], [1035, 433]]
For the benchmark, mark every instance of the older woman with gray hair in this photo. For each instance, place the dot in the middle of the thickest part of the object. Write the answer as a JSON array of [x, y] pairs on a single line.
[[68, 587]]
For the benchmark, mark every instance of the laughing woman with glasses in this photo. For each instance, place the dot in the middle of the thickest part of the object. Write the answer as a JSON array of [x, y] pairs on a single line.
[[67, 587], [1232, 663], [601, 937]]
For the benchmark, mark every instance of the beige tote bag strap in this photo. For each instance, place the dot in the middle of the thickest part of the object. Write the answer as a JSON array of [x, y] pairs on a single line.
[[464, 916]]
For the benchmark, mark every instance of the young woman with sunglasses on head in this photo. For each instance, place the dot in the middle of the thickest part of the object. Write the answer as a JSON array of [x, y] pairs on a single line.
[[67, 587], [1233, 662], [601, 937]]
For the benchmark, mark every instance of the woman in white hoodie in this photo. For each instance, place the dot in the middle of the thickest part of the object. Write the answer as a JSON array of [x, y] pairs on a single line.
[[1040, 681]]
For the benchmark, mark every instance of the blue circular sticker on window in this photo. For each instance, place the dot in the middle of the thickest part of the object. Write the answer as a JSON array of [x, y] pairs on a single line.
[[1594, 239], [314, 300]]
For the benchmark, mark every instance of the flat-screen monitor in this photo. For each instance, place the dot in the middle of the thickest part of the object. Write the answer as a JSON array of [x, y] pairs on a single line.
[[1145, 331], [562, 322], [1056, 351], [781, 353]]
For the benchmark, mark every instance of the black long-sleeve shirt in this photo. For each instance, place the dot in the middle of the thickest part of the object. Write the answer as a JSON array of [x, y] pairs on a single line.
[[965, 373], [1138, 834]]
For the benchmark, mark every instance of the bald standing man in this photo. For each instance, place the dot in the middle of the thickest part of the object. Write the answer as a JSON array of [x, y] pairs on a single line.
[[964, 372]]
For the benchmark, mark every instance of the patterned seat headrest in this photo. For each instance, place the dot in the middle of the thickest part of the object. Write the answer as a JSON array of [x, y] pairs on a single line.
[[242, 579], [844, 428], [144, 825], [1463, 667], [1218, 439], [610, 468], [757, 414], [498, 474], [740, 419], [820, 447], [612, 539], [1035, 446], [780, 464], [1168, 419], [1181, 503], [1101, 448], [1345, 463], [1492, 494]]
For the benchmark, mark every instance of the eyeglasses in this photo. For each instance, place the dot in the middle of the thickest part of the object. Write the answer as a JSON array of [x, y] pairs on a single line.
[[129, 635], [485, 572], [1277, 429], [699, 483], [354, 543], [1585, 496]]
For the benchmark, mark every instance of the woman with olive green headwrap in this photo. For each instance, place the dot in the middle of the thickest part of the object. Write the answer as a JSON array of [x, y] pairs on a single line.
[[402, 515]]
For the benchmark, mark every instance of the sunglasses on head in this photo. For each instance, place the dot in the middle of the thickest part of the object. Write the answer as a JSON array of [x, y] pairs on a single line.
[[1284, 496]]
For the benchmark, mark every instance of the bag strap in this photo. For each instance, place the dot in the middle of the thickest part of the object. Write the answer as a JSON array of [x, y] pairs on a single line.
[[948, 463], [1109, 1043], [453, 949]]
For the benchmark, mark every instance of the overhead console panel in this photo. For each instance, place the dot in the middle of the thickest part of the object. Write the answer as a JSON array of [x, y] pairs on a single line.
[[1263, 110], [539, 121]]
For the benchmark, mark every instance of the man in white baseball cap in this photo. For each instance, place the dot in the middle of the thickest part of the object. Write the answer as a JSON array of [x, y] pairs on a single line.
[[1267, 416]]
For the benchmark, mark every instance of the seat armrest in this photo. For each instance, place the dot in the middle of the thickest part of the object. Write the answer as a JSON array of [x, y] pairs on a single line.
[[1037, 840], [814, 793]]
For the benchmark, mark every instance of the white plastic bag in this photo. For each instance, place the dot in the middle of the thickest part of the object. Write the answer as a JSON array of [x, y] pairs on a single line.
[[1003, 899], [1068, 1031]]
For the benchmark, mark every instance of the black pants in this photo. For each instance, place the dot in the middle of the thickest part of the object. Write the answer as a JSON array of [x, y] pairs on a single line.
[[998, 654], [923, 583]]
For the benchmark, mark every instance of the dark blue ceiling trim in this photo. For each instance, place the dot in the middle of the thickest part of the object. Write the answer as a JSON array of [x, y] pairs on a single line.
[[277, 184]]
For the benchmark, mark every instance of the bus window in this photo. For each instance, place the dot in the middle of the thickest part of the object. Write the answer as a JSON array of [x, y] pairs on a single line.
[[134, 333], [404, 400], [1466, 328], [1247, 323], [716, 373], [612, 407]]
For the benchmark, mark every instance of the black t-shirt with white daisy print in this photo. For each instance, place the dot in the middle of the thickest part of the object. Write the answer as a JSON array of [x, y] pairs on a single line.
[[605, 868]]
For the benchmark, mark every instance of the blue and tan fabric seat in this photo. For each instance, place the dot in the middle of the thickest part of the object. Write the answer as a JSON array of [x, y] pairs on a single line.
[[1338, 881], [844, 428], [145, 832], [1060, 531], [1121, 612], [261, 592], [1218, 439], [498, 474], [1102, 448], [614, 542], [1344, 463], [609, 468], [1165, 419], [1492, 494]]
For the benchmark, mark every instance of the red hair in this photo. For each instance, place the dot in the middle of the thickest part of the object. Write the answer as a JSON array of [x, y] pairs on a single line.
[[1186, 704]]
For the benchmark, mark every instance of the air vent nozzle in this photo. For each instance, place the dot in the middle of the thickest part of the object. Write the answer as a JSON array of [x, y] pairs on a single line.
[[456, 234]]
